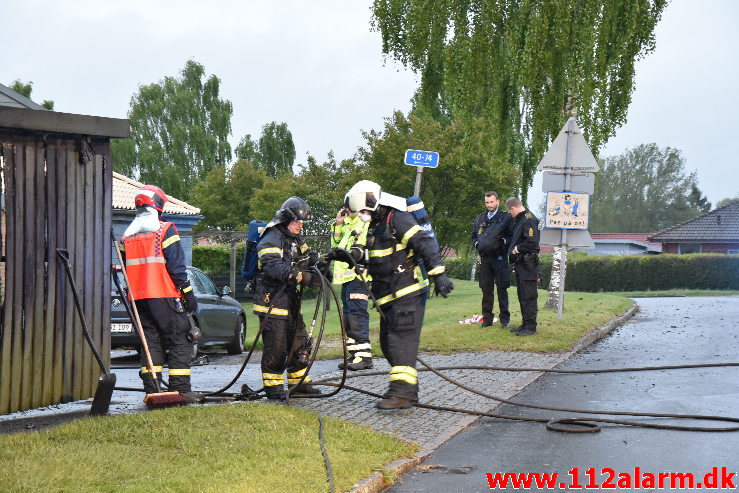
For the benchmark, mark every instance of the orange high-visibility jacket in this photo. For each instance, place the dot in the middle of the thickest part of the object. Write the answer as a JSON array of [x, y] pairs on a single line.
[[146, 266]]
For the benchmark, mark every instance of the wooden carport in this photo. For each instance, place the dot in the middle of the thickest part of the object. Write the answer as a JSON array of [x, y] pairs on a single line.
[[56, 179]]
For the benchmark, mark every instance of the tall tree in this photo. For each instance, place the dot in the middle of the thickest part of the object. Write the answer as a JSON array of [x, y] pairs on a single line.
[[179, 131], [276, 150], [226, 196], [26, 88], [697, 200], [322, 185], [643, 190], [515, 63], [247, 149], [453, 192]]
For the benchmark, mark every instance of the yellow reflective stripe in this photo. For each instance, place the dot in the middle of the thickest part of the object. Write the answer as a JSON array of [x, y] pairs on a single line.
[[170, 240], [303, 248], [272, 379], [381, 253], [296, 374], [407, 236], [405, 374], [265, 251], [187, 289], [293, 381], [157, 369], [415, 207], [178, 371], [275, 311], [362, 354], [409, 289], [146, 260], [424, 283], [436, 270], [385, 299]]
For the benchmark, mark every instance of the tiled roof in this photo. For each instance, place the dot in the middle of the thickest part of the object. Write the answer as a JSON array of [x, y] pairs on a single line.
[[9, 97], [638, 237], [719, 225], [124, 193]]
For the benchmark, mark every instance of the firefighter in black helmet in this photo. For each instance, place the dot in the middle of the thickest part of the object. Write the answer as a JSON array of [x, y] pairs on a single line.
[[284, 263], [396, 244]]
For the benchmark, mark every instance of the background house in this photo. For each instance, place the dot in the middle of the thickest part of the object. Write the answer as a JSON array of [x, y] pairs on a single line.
[[623, 244], [182, 214], [713, 232]]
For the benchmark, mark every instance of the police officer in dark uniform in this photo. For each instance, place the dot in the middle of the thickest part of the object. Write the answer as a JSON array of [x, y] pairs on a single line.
[[491, 236], [395, 245], [523, 253], [284, 262]]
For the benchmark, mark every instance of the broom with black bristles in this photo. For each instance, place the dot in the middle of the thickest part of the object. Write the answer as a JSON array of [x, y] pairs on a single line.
[[159, 399]]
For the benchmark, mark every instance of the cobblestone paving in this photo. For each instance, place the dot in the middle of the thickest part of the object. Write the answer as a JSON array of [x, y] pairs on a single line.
[[426, 427]]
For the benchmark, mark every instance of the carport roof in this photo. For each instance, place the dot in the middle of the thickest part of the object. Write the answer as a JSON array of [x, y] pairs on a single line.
[[719, 225], [124, 193]]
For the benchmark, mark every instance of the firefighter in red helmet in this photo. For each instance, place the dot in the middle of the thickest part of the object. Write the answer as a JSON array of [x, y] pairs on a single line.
[[155, 265]]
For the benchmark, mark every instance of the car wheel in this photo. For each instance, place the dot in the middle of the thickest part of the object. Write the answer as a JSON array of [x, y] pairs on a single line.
[[237, 344]]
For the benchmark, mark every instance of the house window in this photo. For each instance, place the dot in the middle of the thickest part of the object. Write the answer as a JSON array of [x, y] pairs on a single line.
[[689, 248]]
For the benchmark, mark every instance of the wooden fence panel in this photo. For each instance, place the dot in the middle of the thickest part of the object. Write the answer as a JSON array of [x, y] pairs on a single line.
[[54, 199]]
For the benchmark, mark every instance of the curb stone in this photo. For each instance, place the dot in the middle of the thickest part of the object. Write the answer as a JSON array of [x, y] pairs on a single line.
[[376, 483]]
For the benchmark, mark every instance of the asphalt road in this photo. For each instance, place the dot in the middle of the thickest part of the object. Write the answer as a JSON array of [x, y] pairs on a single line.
[[666, 331]]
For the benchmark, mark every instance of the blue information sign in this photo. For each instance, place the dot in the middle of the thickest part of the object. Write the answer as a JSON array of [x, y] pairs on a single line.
[[428, 159]]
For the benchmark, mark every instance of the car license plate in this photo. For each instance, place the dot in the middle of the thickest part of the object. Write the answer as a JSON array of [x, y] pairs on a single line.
[[121, 327]]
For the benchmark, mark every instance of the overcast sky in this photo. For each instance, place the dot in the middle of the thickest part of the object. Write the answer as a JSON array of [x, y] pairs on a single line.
[[317, 66]]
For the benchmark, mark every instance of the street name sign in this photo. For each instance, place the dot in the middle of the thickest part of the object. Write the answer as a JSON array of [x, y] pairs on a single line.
[[427, 159]]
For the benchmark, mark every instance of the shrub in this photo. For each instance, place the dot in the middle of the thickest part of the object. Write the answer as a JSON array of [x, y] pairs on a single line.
[[216, 259], [633, 273]]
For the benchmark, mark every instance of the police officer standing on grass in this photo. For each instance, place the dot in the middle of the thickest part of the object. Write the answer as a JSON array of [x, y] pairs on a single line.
[[155, 266], [491, 236], [350, 233], [523, 254], [284, 263], [395, 244]]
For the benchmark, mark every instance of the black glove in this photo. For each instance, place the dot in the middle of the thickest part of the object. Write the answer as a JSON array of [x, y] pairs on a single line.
[[309, 279], [323, 267], [339, 254], [189, 301], [443, 285]]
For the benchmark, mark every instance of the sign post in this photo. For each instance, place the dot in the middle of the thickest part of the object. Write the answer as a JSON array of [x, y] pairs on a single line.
[[568, 198], [421, 160]]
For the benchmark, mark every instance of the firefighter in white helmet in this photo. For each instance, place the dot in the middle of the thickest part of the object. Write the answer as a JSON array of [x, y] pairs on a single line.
[[396, 244]]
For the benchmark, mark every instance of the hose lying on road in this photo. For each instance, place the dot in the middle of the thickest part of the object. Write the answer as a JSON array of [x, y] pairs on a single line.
[[570, 424]]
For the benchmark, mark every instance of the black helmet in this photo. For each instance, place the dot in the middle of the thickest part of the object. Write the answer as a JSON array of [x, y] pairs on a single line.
[[293, 209]]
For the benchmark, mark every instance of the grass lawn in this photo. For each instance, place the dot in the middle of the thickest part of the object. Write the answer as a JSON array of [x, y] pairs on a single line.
[[443, 333], [226, 448]]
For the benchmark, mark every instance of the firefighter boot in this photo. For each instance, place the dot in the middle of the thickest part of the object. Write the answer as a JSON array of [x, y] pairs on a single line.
[[148, 381], [275, 393], [360, 363], [305, 389], [394, 402]]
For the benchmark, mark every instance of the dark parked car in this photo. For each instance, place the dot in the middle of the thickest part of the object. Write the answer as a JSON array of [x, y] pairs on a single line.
[[220, 318]]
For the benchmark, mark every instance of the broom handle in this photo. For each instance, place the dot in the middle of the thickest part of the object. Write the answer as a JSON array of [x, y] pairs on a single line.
[[137, 321]]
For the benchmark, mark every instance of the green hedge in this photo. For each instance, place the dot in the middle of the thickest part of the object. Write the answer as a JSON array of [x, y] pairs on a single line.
[[634, 273], [216, 259]]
